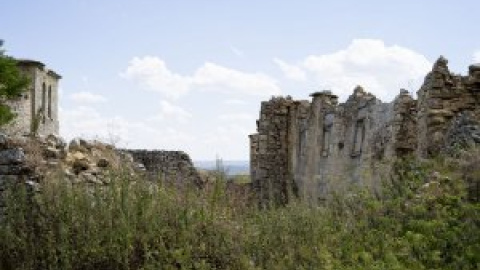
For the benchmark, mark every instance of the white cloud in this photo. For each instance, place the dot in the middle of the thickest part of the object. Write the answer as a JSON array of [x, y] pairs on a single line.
[[476, 57], [291, 72], [220, 78], [225, 139], [87, 97], [381, 69], [89, 123], [170, 111], [153, 73], [236, 117]]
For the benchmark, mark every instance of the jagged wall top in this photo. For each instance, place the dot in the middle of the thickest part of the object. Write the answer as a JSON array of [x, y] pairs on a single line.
[[312, 143]]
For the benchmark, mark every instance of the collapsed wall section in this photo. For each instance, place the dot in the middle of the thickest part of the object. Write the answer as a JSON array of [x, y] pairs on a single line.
[[171, 166]]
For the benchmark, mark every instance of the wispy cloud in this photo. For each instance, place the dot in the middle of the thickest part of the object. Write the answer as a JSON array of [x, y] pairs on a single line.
[[153, 73]]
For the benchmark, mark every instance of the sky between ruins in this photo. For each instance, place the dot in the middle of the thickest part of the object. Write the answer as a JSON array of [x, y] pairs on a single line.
[[190, 75]]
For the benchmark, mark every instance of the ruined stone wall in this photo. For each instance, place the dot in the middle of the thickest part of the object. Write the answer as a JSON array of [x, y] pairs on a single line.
[[335, 146], [440, 99], [31, 161], [37, 107], [172, 166], [323, 146], [270, 151], [13, 168]]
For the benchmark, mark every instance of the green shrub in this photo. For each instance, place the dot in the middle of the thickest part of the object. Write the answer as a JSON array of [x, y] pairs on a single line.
[[12, 84]]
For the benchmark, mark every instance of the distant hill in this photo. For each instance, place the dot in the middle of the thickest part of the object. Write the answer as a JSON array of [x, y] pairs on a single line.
[[233, 167]]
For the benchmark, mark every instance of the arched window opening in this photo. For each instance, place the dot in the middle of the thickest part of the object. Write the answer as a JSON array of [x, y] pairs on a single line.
[[327, 122], [326, 141], [359, 138], [49, 102]]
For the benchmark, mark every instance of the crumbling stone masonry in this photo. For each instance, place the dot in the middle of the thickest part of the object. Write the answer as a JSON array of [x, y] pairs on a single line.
[[441, 98], [31, 161], [172, 166], [312, 148], [13, 169], [36, 108]]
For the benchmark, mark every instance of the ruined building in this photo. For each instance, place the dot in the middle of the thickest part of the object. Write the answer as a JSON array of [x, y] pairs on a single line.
[[312, 147], [37, 107]]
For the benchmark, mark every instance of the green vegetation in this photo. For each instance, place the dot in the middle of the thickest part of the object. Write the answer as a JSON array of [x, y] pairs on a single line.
[[134, 224], [12, 84], [241, 179]]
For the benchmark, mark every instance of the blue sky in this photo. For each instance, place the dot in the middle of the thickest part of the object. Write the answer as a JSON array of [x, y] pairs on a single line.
[[190, 75]]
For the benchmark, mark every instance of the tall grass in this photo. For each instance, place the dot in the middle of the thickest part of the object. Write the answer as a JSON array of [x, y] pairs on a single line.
[[137, 224]]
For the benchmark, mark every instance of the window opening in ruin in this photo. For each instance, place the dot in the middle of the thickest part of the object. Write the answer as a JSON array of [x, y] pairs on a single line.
[[359, 138], [44, 101], [327, 123], [326, 142], [50, 102], [301, 144]]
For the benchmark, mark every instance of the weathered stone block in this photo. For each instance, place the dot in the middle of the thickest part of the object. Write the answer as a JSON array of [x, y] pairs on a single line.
[[12, 156]]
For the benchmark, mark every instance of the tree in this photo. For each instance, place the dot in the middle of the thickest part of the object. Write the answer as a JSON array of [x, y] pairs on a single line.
[[12, 84]]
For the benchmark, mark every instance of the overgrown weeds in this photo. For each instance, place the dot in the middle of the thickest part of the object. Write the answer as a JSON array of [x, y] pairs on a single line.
[[418, 222]]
